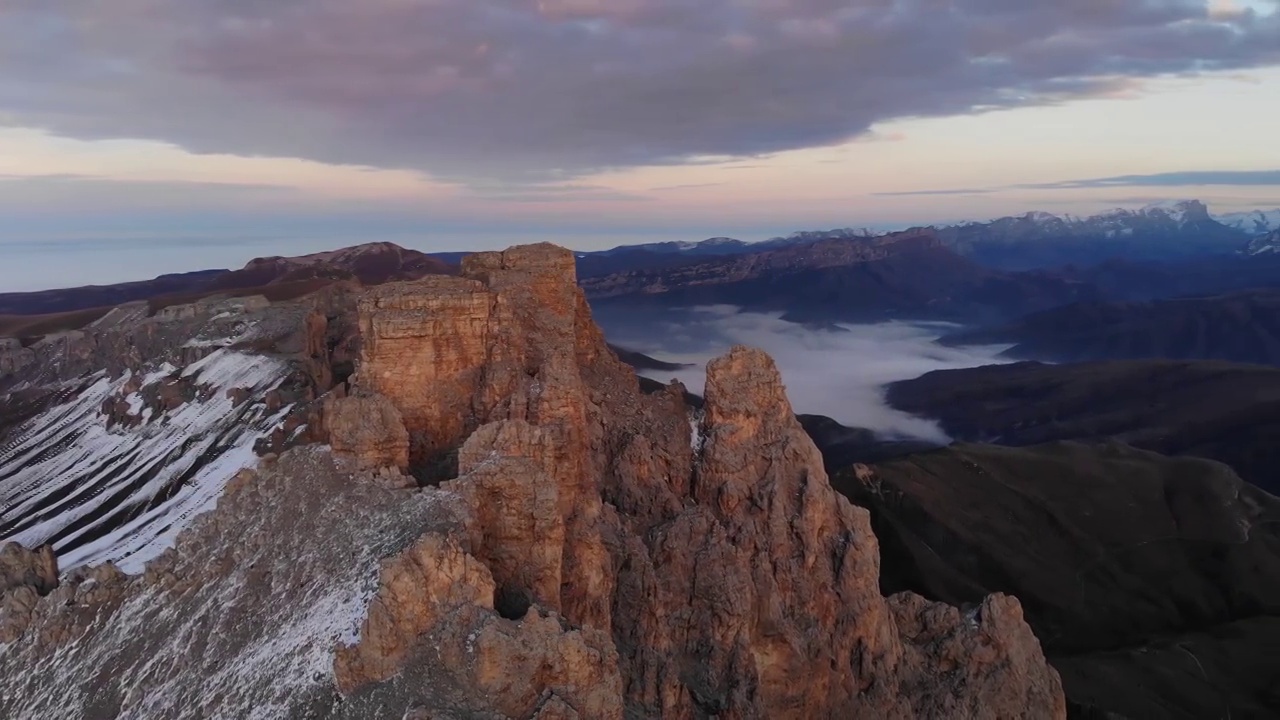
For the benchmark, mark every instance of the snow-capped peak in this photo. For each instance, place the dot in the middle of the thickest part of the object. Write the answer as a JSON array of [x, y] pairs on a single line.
[[1253, 221], [1268, 244]]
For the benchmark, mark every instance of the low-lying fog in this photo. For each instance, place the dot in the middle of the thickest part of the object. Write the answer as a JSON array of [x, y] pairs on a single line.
[[836, 370]]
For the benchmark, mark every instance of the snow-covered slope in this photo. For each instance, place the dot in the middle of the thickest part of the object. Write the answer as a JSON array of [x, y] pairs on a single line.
[[114, 436], [1268, 244], [238, 620], [1125, 221], [101, 486], [1254, 221]]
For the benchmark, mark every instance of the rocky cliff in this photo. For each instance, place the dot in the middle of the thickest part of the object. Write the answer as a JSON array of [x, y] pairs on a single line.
[[540, 539]]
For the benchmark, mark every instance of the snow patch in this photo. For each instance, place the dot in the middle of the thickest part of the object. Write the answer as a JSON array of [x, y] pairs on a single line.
[[122, 495]]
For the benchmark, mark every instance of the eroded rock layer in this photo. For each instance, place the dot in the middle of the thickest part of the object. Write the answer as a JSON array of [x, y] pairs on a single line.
[[570, 550]]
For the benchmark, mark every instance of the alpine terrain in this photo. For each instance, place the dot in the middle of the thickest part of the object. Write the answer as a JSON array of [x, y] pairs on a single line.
[[447, 498]]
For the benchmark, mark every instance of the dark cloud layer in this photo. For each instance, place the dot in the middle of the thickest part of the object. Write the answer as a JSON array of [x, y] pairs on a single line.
[[1188, 178], [1261, 178], [550, 89]]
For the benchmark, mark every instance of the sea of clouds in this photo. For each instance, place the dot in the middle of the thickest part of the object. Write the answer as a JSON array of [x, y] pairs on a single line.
[[837, 370]]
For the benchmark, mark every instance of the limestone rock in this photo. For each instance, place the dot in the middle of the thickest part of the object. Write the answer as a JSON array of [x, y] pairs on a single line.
[[520, 532], [967, 665], [510, 340], [425, 344], [367, 429], [417, 590], [517, 663], [36, 569], [588, 559], [732, 582]]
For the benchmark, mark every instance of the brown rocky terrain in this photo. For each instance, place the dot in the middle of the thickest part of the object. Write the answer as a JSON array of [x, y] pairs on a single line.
[[563, 546]]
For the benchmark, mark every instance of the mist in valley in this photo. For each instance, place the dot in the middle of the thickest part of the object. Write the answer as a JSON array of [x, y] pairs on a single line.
[[837, 370]]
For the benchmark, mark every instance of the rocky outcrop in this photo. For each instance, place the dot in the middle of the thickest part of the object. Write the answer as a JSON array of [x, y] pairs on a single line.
[[20, 567], [368, 429], [725, 573], [25, 576]]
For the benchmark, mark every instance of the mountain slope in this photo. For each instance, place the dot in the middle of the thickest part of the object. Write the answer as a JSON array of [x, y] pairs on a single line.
[[1222, 411], [1153, 582], [106, 454], [1243, 327], [905, 275], [1268, 244], [1254, 221]]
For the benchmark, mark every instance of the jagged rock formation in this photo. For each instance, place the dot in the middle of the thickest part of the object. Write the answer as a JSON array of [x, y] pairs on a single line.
[[20, 567], [591, 559], [368, 429]]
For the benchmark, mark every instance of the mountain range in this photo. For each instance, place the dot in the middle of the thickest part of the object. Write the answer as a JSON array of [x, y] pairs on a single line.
[[376, 482], [487, 518], [1256, 222]]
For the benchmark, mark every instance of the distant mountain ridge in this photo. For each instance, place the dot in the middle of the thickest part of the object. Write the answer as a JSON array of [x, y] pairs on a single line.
[[370, 263], [1054, 246], [1186, 227], [1158, 232], [1254, 221], [1268, 244]]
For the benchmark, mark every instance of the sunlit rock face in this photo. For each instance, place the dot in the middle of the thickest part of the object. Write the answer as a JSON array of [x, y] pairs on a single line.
[[562, 551]]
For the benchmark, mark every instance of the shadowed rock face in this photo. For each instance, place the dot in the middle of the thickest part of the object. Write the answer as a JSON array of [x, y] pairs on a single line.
[[1222, 411], [1153, 582], [599, 553], [1242, 327]]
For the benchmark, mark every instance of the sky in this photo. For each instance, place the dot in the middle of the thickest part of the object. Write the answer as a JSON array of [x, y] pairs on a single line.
[[145, 136]]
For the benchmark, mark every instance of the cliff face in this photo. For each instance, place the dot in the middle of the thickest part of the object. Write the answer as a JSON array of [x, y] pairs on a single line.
[[591, 557], [724, 572]]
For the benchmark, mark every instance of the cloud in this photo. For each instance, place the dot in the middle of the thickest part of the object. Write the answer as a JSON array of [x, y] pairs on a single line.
[[552, 89], [1189, 178], [686, 186], [1169, 179], [27, 194], [959, 191], [546, 193], [839, 372]]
